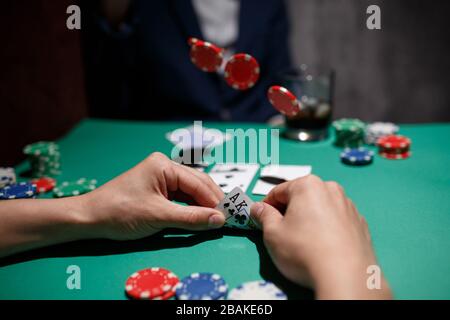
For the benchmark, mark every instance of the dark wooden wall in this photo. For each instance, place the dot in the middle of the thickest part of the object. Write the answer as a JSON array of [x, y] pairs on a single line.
[[41, 75]]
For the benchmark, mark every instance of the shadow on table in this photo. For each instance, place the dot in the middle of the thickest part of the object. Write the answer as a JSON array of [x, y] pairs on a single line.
[[168, 239], [269, 272]]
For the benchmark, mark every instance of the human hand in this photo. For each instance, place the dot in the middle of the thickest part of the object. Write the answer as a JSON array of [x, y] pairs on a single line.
[[321, 241], [139, 203]]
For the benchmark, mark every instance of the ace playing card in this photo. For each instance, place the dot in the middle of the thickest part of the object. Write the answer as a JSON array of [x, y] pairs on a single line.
[[236, 207]]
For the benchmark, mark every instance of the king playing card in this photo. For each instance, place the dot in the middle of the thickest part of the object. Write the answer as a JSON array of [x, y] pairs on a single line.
[[236, 207]]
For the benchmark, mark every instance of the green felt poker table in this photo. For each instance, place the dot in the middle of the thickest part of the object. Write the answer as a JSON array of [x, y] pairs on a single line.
[[406, 203]]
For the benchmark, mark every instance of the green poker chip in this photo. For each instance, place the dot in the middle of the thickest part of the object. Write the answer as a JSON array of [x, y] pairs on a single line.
[[349, 132], [44, 158], [41, 148], [74, 188]]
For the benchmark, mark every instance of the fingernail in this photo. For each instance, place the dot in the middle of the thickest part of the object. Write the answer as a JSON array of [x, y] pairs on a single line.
[[215, 221], [256, 208]]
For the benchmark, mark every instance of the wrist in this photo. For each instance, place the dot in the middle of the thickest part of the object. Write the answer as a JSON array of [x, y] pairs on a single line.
[[347, 278], [79, 221]]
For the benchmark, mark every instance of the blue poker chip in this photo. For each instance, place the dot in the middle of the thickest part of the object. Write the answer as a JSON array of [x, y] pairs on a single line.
[[358, 156], [202, 286], [23, 190]]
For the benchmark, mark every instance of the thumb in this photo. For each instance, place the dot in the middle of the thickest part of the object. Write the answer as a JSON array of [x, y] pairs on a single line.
[[194, 217], [264, 214]]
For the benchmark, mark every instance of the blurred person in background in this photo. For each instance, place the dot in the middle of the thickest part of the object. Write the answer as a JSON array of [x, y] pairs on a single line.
[[138, 65]]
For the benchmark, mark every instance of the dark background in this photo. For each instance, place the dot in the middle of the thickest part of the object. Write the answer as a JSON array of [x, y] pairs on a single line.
[[399, 73]]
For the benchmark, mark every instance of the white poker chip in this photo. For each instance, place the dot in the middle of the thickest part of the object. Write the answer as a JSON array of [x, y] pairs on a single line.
[[257, 290], [382, 128], [376, 130], [7, 177]]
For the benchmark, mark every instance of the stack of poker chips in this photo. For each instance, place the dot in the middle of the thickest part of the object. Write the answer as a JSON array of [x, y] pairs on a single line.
[[202, 286], [376, 130], [22, 190], [357, 157], [151, 284], [44, 158], [7, 177], [74, 188], [349, 133], [394, 147]]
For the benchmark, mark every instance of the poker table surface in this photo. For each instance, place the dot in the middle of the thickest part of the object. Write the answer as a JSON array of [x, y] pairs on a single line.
[[406, 203]]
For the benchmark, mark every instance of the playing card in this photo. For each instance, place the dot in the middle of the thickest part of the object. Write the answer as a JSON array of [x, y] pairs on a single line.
[[229, 175], [273, 175], [236, 207]]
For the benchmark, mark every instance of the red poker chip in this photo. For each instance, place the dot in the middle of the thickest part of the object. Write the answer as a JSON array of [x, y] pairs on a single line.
[[394, 142], [206, 56], [393, 150], [242, 71], [169, 294], [192, 41], [151, 283], [173, 281], [283, 100], [44, 184], [393, 156]]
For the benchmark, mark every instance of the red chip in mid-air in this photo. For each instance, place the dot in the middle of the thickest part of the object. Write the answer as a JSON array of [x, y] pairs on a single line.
[[192, 41], [206, 56], [242, 71], [283, 100]]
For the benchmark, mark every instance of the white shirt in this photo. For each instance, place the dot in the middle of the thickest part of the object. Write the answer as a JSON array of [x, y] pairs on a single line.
[[219, 20]]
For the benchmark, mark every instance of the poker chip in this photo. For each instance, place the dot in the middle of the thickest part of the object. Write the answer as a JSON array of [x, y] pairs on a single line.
[[349, 132], [205, 56], [394, 147], [202, 286], [376, 130], [44, 184], [151, 283], [393, 150], [192, 41], [394, 156], [359, 156], [283, 100], [74, 188], [394, 142], [169, 294], [242, 71], [257, 290], [40, 148], [44, 158], [7, 177], [22, 190]]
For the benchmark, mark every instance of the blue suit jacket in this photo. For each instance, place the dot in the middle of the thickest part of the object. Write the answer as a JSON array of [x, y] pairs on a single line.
[[145, 72]]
